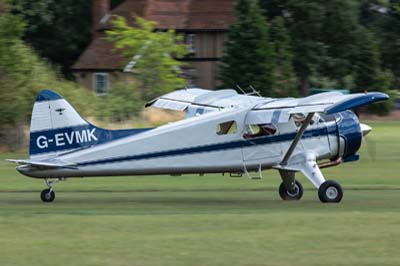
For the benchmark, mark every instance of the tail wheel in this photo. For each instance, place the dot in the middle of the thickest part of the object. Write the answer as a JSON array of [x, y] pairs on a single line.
[[295, 194], [47, 195], [330, 191]]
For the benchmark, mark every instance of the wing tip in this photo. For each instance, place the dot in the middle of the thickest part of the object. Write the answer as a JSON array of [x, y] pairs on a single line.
[[358, 101]]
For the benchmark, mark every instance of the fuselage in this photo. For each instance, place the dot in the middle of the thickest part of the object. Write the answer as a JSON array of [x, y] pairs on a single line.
[[200, 145]]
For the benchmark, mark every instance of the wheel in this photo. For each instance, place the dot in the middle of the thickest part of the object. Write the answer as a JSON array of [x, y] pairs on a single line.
[[330, 191], [296, 194], [47, 195]]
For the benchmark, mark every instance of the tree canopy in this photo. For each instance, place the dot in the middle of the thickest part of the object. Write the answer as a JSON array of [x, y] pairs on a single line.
[[152, 54], [248, 59]]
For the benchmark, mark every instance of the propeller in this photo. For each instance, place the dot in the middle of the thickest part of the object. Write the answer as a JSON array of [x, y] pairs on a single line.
[[370, 144]]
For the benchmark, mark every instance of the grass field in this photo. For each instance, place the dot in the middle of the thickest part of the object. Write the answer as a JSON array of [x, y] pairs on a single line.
[[208, 220]]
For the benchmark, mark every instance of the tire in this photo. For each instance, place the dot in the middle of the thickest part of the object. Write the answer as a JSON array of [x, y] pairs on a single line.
[[330, 192], [47, 195], [296, 195]]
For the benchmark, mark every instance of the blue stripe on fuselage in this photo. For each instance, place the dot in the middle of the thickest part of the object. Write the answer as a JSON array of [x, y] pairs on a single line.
[[69, 138], [216, 147]]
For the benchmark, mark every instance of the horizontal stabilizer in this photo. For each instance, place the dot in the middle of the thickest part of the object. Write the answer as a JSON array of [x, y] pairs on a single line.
[[51, 164]]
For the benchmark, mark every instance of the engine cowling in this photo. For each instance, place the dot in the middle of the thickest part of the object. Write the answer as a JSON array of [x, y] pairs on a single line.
[[350, 134]]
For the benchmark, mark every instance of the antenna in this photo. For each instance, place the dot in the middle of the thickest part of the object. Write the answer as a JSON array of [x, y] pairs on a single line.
[[237, 86], [254, 91]]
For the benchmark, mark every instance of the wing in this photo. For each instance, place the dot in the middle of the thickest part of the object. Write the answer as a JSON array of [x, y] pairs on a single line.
[[47, 164], [279, 111], [328, 103], [207, 100], [180, 100]]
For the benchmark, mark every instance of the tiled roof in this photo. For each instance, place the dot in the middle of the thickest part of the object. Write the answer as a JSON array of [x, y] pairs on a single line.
[[193, 15], [210, 14], [100, 55]]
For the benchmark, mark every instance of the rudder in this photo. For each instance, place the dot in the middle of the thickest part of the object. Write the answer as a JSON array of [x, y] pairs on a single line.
[[56, 128], [52, 115]]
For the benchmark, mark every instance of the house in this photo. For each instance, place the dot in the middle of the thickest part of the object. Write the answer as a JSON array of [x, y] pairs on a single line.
[[204, 24]]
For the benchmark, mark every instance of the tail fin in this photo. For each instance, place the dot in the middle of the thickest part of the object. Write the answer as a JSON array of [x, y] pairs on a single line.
[[56, 127], [52, 117]]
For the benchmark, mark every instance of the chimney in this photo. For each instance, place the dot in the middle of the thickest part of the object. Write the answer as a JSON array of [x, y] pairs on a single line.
[[100, 8]]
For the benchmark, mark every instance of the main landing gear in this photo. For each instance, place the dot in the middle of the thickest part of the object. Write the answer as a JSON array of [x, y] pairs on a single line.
[[329, 191], [293, 194], [48, 195], [290, 188]]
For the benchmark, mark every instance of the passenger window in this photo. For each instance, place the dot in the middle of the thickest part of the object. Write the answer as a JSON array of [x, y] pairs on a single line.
[[225, 128], [254, 131]]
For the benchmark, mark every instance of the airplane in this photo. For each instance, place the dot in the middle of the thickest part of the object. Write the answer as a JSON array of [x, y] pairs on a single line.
[[223, 132]]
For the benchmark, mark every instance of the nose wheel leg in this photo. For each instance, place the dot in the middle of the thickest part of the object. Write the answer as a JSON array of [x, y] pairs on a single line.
[[48, 194]]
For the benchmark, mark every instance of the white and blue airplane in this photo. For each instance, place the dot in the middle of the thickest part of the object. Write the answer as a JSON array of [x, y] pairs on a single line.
[[224, 132]]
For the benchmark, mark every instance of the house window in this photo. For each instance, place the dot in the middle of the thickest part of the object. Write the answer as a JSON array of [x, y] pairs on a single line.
[[225, 128], [191, 77], [100, 83], [191, 42]]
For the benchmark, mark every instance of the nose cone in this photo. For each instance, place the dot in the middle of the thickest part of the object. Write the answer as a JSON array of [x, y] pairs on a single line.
[[365, 129]]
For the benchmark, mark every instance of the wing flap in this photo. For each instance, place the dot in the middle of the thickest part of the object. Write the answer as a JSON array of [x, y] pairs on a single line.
[[171, 105]]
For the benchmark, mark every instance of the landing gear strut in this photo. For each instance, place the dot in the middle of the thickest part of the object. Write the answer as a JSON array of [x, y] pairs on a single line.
[[48, 195]]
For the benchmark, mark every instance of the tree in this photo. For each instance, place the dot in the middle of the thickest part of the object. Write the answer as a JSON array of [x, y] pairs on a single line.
[[284, 75], [120, 104], [323, 35], [390, 44], [248, 58], [369, 75], [22, 75], [153, 55], [339, 32], [57, 30], [306, 20]]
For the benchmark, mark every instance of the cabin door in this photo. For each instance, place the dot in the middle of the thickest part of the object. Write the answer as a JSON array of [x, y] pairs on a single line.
[[261, 144]]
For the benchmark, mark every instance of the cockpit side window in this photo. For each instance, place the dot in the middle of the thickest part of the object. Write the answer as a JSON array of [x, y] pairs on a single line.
[[298, 119], [259, 130], [229, 127]]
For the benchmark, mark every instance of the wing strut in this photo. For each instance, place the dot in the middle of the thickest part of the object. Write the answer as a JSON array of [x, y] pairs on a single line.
[[297, 139]]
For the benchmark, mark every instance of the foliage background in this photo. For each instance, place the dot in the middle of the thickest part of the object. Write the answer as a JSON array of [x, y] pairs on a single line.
[[284, 47]]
